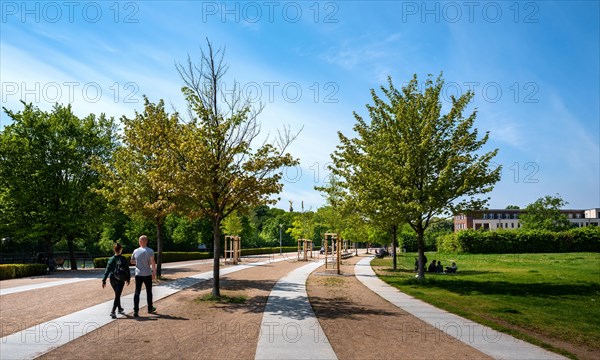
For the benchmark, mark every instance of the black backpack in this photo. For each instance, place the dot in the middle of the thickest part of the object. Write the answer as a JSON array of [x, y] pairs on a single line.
[[121, 272]]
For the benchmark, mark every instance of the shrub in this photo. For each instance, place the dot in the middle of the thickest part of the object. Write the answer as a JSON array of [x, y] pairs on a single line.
[[268, 250], [448, 244], [523, 241], [13, 271], [185, 256], [166, 257], [102, 261]]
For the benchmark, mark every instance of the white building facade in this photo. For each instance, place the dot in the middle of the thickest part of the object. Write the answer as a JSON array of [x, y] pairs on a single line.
[[508, 219]]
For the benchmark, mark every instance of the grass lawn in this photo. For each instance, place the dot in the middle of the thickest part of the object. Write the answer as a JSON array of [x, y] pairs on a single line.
[[551, 300]]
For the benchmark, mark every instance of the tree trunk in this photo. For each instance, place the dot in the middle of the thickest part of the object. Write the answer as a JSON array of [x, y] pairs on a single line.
[[394, 260], [72, 259], [216, 292], [49, 250], [159, 248], [49, 254], [421, 249]]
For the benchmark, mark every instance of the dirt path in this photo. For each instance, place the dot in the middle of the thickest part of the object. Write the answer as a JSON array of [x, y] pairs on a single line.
[[361, 325], [186, 327]]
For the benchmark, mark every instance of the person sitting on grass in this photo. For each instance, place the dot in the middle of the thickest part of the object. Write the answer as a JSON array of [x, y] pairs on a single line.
[[432, 267], [439, 268], [451, 269]]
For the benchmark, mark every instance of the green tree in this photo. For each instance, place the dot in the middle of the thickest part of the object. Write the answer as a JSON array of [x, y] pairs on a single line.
[[412, 162], [45, 175], [136, 178], [297, 230], [512, 207], [232, 225], [544, 214], [219, 167]]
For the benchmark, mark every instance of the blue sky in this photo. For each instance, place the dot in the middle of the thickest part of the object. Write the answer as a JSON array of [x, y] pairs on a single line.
[[534, 67]]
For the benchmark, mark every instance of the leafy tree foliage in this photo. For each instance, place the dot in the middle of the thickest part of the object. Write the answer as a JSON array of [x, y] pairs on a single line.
[[232, 225], [218, 166], [136, 175], [544, 214], [411, 162], [45, 175]]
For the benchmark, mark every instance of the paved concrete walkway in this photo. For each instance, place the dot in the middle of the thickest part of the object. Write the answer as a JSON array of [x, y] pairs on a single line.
[[483, 338], [290, 329], [42, 338], [75, 279], [98, 275], [18, 289]]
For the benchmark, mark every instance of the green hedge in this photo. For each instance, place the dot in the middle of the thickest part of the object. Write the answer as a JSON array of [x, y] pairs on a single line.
[[166, 257], [13, 271], [521, 241], [185, 256], [269, 250]]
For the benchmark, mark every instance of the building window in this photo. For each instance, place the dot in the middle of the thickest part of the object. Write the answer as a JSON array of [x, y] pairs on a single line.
[[512, 225]]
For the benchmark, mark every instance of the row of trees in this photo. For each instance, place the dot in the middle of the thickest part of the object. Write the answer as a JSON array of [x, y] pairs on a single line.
[[408, 167], [46, 177], [411, 163], [56, 168]]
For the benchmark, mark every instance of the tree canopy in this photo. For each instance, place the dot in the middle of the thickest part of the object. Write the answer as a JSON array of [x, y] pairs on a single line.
[[545, 214], [135, 177], [412, 162], [218, 167], [46, 177]]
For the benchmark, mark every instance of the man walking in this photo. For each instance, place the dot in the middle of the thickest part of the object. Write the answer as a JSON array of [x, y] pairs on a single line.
[[145, 271]]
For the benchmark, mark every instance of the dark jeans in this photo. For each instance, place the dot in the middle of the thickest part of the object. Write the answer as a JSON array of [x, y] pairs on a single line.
[[118, 288], [147, 282]]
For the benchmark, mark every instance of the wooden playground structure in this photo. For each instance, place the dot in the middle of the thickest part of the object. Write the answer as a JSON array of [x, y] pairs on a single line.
[[232, 251], [305, 249]]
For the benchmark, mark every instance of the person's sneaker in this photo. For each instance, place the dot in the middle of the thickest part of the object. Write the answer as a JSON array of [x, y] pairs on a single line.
[[151, 310], [121, 311], [135, 314], [112, 315]]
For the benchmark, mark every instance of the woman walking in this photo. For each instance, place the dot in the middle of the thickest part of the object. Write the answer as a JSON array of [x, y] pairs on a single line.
[[117, 269]]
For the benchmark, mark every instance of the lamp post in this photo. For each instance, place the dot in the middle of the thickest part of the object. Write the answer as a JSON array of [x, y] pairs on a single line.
[[280, 249]]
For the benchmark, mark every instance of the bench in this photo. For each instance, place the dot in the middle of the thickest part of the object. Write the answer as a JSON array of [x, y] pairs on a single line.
[[60, 263]]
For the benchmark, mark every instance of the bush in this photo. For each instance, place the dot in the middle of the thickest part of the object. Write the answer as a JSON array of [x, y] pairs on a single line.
[[102, 261], [13, 271], [448, 244], [522, 241], [268, 250], [166, 257], [186, 256]]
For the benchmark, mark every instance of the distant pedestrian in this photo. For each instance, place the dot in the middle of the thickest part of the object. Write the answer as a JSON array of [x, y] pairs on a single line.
[[440, 267], [118, 271], [145, 271]]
